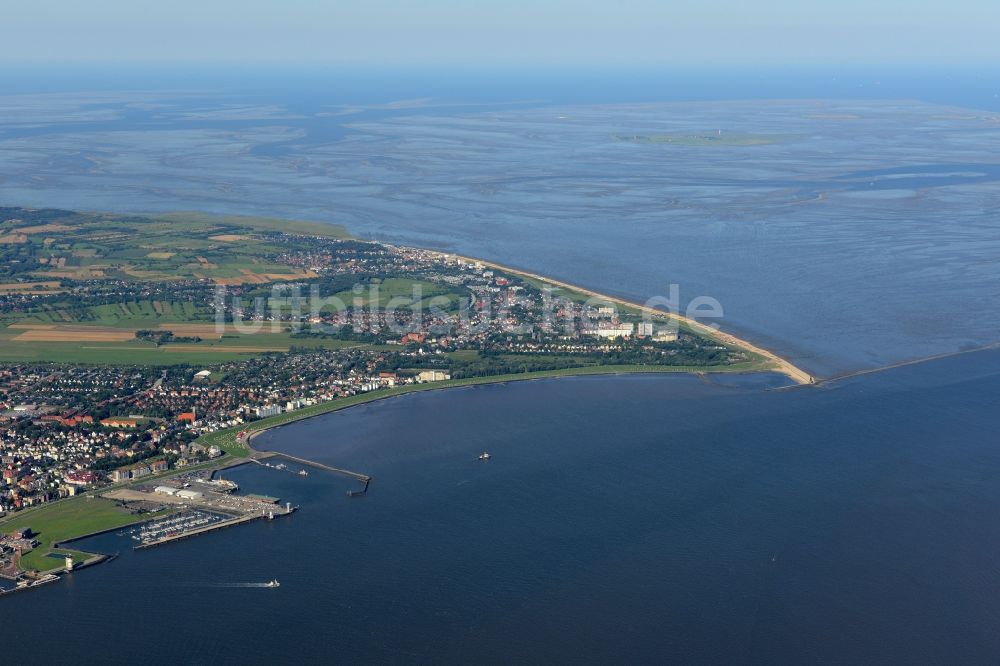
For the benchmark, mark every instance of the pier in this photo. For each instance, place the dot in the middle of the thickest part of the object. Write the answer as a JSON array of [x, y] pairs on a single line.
[[363, 478], [256, 456], [359, 493], [240, 520], [27, 584], [357, 476], [194, 507]]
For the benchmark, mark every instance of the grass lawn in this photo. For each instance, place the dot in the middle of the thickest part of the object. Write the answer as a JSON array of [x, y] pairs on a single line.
[[64, 520], [463, 355], [404, 293], [41, 561]]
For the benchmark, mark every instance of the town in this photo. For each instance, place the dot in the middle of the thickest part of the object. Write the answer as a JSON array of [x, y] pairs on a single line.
[[348, 320]]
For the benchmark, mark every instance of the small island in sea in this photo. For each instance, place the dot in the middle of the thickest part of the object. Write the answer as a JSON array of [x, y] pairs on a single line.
[[141, 355]]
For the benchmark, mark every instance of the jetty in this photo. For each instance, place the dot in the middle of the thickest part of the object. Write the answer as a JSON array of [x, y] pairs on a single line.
[[257, 455], [359, 493], [28, 584], [358, 476], [203, 529]]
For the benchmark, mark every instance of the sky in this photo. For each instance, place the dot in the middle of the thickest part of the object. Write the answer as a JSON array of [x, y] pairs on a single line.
[[499, 32]]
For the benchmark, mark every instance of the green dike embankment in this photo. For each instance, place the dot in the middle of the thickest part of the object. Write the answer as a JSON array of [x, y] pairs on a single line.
[[226, 439], [69, 519], [777, 363]]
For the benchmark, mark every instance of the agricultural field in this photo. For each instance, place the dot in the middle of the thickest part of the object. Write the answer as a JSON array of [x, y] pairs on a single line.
[[49, 252], [46, 246], [128, 314], [71, 343], [49, 287]]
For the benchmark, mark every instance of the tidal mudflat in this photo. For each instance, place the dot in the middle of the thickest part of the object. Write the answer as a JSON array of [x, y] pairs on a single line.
[[843, 234]]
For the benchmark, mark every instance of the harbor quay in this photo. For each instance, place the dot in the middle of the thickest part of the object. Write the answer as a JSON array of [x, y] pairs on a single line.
[[161, 510], [194, 505]]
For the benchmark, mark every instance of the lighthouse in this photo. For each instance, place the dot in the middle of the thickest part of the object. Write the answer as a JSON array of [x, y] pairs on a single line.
[[69, 563]]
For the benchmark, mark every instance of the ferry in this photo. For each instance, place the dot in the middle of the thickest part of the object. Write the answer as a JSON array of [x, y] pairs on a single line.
[[484, 456], [273, 583]]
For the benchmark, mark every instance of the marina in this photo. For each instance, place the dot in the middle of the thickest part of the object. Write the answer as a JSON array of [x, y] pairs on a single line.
[[191, 530], [195, 505], [175, 508], [176, 524]]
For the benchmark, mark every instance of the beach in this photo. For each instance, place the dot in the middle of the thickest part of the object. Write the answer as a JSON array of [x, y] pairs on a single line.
[[781, 365]]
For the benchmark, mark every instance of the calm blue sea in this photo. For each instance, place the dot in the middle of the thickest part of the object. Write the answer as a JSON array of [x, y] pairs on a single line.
[[638, 519], [634, 519]]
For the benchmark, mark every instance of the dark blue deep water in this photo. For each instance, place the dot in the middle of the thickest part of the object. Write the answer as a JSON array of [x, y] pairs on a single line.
[[622, 519], [636, 519]]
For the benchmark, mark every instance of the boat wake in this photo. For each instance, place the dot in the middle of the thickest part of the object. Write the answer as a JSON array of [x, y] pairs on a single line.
[[269, 584]]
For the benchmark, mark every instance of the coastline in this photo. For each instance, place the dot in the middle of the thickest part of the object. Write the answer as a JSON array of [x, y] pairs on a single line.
[[374, 396], [781, 365], [227, 441], [241, 450]]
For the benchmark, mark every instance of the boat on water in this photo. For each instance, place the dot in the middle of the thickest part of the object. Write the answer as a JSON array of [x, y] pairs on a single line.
[[273, 583], [303, 473], [484, 456]]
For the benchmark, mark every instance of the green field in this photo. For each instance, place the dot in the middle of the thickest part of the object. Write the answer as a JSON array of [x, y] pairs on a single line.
[[130, 314], [138, 352], [162, 247], [178, 246], [63, 520], [406, 293], [464, 355]]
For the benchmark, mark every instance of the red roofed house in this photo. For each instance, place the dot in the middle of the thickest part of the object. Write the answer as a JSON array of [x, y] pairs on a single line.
[[413, 337], [80, 478]]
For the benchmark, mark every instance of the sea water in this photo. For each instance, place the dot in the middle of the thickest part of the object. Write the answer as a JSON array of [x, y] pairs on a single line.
[[640, 518]]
